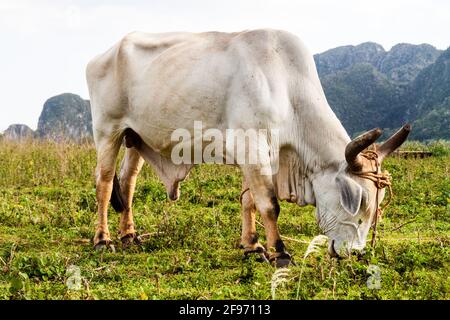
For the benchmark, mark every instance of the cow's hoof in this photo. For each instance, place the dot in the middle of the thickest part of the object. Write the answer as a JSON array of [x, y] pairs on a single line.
[[105, 245], [260, 251], [130, 239], [281, 259]]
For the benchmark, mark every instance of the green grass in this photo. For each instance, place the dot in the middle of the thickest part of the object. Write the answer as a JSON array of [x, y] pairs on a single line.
[[437, 147], [47, 221]]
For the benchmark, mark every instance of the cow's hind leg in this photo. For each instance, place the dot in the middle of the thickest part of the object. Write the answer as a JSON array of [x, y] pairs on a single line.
[[107, 150], [131, 166], [266, 203], [249, 238]]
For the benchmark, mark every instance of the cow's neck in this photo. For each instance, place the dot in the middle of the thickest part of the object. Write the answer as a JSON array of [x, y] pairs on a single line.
[[307, 150]]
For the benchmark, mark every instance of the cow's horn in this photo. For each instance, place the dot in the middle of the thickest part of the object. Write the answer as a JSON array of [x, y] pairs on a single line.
[[394, 142], [359, 144]]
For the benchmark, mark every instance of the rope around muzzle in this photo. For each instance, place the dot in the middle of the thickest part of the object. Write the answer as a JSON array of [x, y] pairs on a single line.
[[381, 180]]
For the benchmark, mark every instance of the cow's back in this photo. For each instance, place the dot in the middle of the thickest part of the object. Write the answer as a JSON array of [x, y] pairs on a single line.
[[156, 83]]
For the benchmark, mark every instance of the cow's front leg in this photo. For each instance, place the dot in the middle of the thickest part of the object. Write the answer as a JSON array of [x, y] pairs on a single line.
[[266, 203], [249, 237], [131, 166]]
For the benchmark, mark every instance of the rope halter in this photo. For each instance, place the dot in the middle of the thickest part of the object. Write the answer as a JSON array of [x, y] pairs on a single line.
[[381, 180]]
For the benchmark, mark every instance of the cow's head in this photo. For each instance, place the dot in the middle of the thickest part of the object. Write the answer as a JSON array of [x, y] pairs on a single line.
[[346, 200]]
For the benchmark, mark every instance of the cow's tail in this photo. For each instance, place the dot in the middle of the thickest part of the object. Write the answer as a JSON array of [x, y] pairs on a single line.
[[118, 201]]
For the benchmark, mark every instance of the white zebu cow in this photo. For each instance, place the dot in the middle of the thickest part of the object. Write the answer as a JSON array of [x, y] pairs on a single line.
[[149, 85]]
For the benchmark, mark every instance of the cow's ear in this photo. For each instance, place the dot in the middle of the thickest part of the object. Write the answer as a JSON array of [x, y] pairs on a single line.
[[351, 194]]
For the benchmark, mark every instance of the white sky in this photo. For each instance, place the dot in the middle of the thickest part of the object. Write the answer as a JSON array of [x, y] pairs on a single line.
[[45, 45]]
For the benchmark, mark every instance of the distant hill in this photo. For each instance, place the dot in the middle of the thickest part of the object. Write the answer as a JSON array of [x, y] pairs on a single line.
[[404, 61], [18, 132], [401, 64], [369, 87], [341, 58], [361, 97], [65, 117], [427, 100]]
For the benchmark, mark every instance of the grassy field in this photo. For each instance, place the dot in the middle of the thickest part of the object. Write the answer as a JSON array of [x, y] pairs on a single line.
[[47, 221]]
